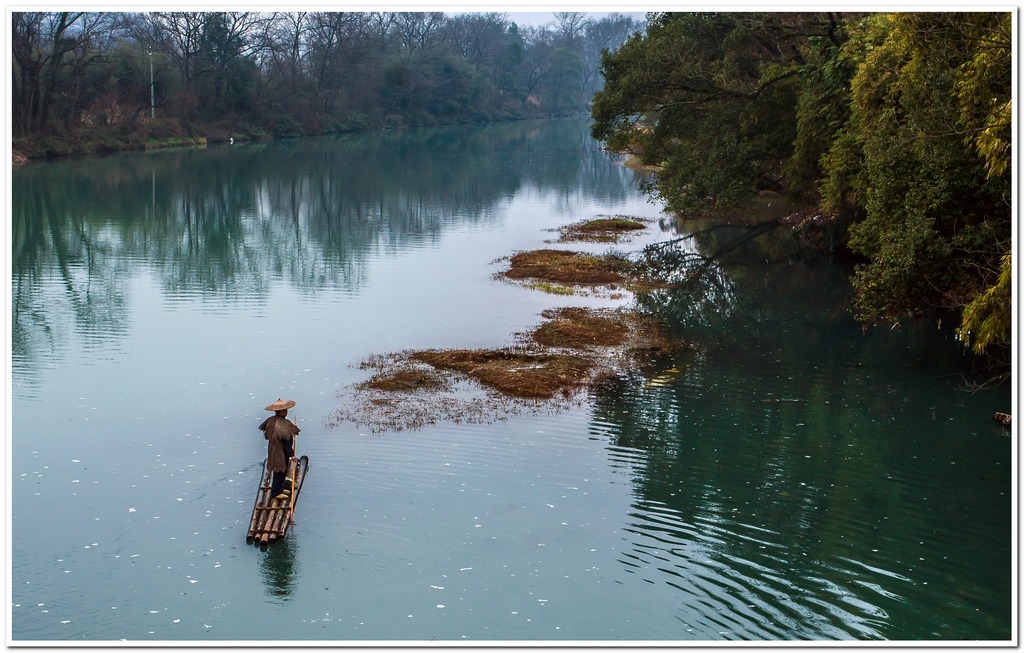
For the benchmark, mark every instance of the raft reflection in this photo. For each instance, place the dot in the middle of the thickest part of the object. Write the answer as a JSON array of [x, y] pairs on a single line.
[[278, 569]]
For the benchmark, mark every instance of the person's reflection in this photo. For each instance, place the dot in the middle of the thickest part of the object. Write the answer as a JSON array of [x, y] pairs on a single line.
[[277, 566]]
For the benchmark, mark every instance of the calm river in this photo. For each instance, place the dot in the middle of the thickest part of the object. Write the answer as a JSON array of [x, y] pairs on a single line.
[[798, 479]]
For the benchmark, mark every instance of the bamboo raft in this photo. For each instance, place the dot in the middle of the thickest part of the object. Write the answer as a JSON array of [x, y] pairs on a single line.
[[271, 517]]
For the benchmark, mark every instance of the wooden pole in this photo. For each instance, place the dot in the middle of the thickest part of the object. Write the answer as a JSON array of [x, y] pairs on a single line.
[[295, 488]]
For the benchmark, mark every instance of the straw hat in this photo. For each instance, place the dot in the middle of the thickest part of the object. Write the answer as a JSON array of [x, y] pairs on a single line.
[[280, 404]]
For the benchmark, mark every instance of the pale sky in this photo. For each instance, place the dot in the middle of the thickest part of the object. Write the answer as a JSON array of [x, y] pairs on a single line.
[[541, 18]]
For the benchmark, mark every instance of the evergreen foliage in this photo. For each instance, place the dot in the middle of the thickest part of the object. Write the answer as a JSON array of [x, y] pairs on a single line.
[[896, 124]]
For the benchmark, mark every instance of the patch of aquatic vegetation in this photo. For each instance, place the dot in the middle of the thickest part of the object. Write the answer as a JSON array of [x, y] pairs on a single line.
[[515, 372], [553, 366], [581, 328], [393, 401], [567, 267], [602, 229], [610, 275], [548, 369]]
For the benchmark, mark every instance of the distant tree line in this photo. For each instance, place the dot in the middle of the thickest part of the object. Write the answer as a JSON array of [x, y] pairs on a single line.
[[85, 80], [897, 126]]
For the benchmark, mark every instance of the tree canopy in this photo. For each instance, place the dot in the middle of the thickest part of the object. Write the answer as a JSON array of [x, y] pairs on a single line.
[[895, 124]]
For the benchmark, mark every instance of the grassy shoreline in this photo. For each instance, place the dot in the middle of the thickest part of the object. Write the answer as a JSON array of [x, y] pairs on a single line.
[[166, 133], [157, 134]]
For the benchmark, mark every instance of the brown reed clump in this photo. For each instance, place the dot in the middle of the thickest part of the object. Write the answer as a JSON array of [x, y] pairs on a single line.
[[520, 374], [561, 266], [601, 229], [405, 380], [580, 328], [574, 349]]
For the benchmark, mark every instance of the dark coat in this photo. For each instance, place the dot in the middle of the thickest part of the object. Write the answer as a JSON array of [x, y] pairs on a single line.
[[280, 435]]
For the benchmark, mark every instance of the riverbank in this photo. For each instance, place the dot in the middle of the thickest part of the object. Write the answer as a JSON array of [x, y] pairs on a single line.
[[150, 135], [167, 133]]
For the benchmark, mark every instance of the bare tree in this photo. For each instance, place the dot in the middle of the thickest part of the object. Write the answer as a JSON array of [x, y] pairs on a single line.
[[51, 51], [421, 30], [181, 33], [571, 26]]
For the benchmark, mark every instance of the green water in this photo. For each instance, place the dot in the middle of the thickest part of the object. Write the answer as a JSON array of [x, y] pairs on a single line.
[[792, 477]]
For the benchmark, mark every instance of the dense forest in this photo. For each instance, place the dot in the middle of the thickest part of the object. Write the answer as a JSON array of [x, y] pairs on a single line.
[[895, 128], [97, 81]]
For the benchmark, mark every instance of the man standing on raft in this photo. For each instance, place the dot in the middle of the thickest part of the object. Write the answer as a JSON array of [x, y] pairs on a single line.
[[280, 434]]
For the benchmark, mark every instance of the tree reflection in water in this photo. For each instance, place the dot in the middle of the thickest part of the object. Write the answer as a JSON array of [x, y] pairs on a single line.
[[700, 295], [223, 226]]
